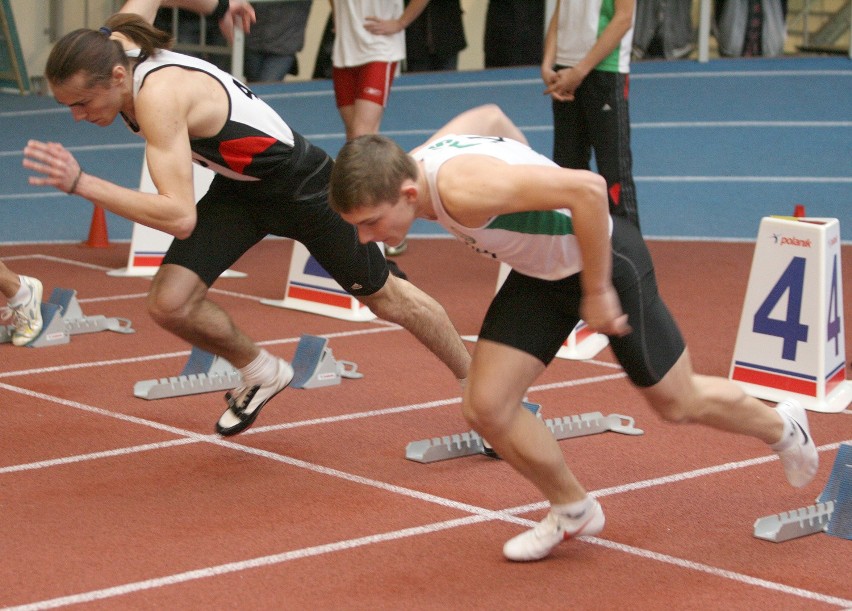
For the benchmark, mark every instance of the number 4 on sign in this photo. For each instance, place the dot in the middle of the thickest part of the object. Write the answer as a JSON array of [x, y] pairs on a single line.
[[790, 329], [834, 329]]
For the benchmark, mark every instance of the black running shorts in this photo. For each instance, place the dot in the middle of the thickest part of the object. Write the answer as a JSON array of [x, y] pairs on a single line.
[[235, 215], [536, 316]]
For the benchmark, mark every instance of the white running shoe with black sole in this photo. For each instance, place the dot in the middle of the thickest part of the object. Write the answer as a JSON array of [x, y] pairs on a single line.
[[538, 542], [797, 452], [245, 402]]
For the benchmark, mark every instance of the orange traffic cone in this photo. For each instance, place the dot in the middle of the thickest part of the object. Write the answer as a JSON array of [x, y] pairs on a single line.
[[98, 237], [799, 211]]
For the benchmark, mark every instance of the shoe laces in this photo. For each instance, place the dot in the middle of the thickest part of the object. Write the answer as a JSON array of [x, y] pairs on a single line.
[[21, 320], [240, 397]]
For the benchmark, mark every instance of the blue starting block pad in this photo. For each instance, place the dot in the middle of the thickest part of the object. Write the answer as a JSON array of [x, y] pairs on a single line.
[[314, 365], [62, 317]]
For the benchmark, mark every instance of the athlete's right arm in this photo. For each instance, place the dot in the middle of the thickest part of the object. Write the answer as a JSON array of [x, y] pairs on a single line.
[[161, 111], [238, 11], [172, 211]]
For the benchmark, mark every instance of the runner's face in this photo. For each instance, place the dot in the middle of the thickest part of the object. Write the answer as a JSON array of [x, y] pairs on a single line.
[[99, 104], [386, 222]]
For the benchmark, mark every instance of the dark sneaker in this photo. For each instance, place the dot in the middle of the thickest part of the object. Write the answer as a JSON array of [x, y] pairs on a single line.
[[538, 542], [245, 402], [797, 452]]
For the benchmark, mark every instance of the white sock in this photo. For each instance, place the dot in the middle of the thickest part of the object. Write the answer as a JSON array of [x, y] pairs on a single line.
[[22, 296], [572, 510], [261, 369]]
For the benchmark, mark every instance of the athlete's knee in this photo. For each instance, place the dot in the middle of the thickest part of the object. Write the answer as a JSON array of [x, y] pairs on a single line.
[[168, 303], [674, 410], [487, 411]]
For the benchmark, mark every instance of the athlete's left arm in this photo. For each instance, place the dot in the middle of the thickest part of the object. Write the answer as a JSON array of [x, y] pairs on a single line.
[[475, 188]]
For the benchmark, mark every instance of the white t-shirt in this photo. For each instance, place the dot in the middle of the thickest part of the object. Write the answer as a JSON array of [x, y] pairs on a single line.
[[354, 45]]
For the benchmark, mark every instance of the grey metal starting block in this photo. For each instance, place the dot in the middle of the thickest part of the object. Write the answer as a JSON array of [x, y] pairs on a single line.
[[470, 443], [76, 323], [203, 372], [314, 365], [62, 317], [831, 514], [794, 524]]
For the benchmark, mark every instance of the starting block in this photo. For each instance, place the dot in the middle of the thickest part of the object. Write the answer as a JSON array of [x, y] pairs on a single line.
[[203, 372], [62, 317], [314, 365], [470, 443], [831, 514], [794, 524], [77, 323], [53, 331]]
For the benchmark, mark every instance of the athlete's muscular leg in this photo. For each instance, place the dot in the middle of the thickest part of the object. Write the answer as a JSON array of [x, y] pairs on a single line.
[[684, 396], [499, 377], [178, 302], [401, 302]]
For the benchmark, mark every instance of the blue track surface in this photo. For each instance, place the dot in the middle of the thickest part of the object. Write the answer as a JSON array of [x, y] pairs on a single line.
[[716, 146]]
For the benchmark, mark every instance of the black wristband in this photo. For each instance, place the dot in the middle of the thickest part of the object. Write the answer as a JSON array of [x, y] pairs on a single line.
[[220, 11], [74, 184]]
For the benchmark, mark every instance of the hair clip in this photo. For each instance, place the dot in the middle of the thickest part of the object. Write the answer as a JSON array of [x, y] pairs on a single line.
[[105, 31]]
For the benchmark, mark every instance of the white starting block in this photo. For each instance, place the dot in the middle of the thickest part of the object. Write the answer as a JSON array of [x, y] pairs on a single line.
[[831, 514], [62, 317], [203, 372], [314, 365], [470, 443]]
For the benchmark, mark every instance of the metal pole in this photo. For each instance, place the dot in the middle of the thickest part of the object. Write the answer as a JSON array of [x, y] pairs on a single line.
[[704, 32]]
